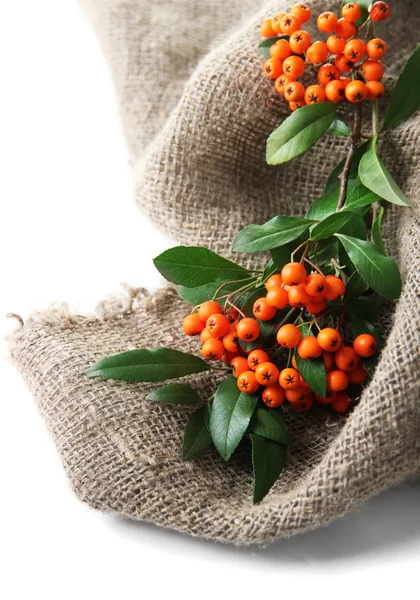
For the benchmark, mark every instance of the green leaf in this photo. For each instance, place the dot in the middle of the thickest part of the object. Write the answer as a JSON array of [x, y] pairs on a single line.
[[338, 128], [175, 393], [197, 437], [193, 266], [405, 99], [230, 416], [359, 325], [379, 272], [323, 207], [265, 45], [355, 226], [270, 424], [274, 233], [355, 287], [200, 294], [325, 251], [148, 365], [333, 183], [360, 196], [331, 225], [269, 270], [268, 459], [377, 231], [280, 256], [299, 132], [313, 372], [376, 177]]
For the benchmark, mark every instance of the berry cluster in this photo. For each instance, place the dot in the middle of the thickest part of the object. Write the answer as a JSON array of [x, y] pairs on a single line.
[[348, 67], [221, 336]]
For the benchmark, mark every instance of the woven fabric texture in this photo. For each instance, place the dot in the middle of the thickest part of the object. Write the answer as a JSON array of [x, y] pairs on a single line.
[[196, 121]]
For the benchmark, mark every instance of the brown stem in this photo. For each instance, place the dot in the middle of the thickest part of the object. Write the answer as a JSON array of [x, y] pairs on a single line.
[[355, 141]]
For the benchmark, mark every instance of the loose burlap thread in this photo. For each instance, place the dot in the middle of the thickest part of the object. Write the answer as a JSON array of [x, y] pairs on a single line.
[[196, 113]]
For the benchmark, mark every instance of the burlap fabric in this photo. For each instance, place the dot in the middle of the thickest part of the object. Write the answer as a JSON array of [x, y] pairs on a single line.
[[197, 135]]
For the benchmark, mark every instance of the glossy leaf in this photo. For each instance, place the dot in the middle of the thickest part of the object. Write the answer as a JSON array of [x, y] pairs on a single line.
[[376, 177], [355, 226], [197, 436], [200, 294], [360, 196], [276, 232], [333, 183], [325, 251], [265, 45], [193, 266], [299, 132], [405, 99], [175, 393], [268, 459], [314, 373], [355, 287], [280, 256], [148, 365], [230, 416], [270, 424], [322, 207], [331, 225], [377, 231], [378, 271], [338, 128]]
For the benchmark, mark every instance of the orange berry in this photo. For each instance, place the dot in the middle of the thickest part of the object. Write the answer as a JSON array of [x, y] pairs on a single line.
[[288, 336], [298, 298], [232, 316], [355, 50], [328, 361], [341, 402], [380, 11], [356, 92], [276, 22], [302, 12], [304, 405], [334, 288], [316, 308], [213, 349], [336, 44], [273, 68], [257, 357], [289, 379], [263, 311], [296, 395], [346, 359], [294, 67], [295, 105], [228, 357], [343, 64], [376, 49], [218, 325], [329, 339], [207, 309], [294, 363], [314, 94], [373, 70], [365, 345], [248, 330], [300, 41], [328, 73], [240, 365], [289, 24], [293, 274], [375, 90], [335, 91], [277, 297], [327, 22], [337, 380], [351, 12], [273, 396], [345, 80], [275, 281], [248, 383], [280, 50], [205, 335], [358, 375], [304, 385], [294, 91], [281, 83], [317, 53], [192, 325], [327, 399], [345, 29], [267, 30], [315, 285], [309, 348], [267, 373], [231, 342]]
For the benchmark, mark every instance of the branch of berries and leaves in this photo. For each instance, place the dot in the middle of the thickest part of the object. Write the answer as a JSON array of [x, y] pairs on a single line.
[[303, 328]]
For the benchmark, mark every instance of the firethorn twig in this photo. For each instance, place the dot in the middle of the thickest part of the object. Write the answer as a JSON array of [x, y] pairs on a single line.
[[355, 141]]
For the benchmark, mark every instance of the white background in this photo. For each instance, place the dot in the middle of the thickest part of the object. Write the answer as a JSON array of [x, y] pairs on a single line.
[[70, 231]]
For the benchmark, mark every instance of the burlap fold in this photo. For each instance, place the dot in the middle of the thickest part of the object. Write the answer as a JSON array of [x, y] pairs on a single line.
[[197, 139]]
